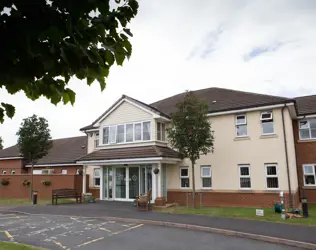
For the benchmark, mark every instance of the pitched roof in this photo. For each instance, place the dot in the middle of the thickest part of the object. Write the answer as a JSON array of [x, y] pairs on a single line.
[[129, 153], [64, 151], [147, 106], [220, 99], [306, 105]]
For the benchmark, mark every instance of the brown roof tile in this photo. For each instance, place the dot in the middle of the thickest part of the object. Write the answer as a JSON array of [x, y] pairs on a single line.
[[220, 99], [64, 151], [131, 152], [306, 105]]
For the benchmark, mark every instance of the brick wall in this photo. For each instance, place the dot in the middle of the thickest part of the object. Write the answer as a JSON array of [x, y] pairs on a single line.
[[15, 189], [14, 164], [57, 170], [305, 154], [230, 199]]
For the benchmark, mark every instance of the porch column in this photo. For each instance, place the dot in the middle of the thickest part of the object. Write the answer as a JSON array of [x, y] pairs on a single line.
[[159, 180], [101, 183], [84, 180], [159, 201]]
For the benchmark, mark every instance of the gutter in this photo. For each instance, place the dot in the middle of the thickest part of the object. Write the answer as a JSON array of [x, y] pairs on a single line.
[[286, 158]]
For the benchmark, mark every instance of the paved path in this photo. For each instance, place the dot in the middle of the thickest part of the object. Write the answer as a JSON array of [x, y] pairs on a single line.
[[67, 232], [126, 210]]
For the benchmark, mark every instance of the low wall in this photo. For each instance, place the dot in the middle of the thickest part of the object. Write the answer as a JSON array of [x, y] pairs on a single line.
[[16, 189]]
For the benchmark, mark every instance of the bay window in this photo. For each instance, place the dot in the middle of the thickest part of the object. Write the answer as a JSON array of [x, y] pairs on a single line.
[[146, 131], [112, 134], [161, 131], [106, 135], [138, 131], [120, 133], [96, 140], [129, 132]]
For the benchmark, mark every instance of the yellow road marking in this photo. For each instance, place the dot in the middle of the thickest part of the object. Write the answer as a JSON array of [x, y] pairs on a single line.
[[127, 229], [104, 229], [16, 217], [7, 234], [89, 242], [59, 244], [89, 220]]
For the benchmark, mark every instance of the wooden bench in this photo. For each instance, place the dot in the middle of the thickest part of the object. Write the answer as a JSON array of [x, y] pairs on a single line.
[[65, 193]]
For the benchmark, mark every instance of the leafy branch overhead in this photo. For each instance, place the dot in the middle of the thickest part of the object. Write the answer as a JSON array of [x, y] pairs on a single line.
[[48, 42]]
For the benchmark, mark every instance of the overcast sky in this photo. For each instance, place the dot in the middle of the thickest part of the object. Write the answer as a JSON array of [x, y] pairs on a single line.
[[266, 46]]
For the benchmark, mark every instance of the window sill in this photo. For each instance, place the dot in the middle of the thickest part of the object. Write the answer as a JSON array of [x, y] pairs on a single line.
[[306, 140], [268, 136], [309, 187], [242, 138]]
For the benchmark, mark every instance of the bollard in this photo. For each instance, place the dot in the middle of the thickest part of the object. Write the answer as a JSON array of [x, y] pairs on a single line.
[[304, 207], [283, 213], [34, 197]]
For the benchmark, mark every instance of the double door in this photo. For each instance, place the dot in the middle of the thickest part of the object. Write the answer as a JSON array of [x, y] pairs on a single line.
[[125, 183]]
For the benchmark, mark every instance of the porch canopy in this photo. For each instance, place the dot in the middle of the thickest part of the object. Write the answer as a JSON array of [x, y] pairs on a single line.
[[128, 172]]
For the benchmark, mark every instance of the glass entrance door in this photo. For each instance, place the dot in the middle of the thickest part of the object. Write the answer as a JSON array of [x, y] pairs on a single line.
[[133, 184], [108, 182], [120, 183], [145, 179]]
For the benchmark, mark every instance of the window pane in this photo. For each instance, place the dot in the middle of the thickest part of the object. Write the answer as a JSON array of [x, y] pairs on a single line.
[[206, 182], [303, 124], [309, 179], [312, 123], [146, 131], [241, 130], [97, 181], [206, 171], [313, 133], [304, 133], [120, 133], [240, 119], [97, 172], [158, 131], [106, 135], [185, 182], [245, 182], [96, 142], [271, 170], [244, 171], [267, 127], [113, 134], [272, 182], [138, 131], [129, 132], [163, 128], [266, 115], [308, 170], [184, 172]]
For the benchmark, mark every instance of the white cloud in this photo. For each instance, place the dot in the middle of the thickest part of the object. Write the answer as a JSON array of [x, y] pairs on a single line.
[[185, 44]]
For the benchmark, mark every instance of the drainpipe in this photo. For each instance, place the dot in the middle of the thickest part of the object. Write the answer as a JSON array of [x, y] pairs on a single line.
[[286, 158]]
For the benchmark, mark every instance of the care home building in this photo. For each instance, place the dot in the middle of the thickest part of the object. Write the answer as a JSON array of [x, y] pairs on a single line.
[[253, 161]]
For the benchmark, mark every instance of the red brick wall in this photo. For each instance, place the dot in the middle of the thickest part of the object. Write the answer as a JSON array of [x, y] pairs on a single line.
[[95, 192], [230, 199], [57, 170], [13, 164], [305, 154], [15, 189]]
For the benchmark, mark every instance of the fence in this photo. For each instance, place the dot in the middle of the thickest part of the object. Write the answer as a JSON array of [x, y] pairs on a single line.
[[14, 186]]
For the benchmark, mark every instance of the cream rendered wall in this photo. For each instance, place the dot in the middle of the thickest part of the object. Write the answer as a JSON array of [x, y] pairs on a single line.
[[255, 150]]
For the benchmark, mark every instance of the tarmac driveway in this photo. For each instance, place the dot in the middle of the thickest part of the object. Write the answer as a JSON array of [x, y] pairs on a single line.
[[65, 232]]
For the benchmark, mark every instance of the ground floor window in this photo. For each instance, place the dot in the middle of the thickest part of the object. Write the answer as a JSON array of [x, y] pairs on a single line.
[[309, 175], [96, 177], [64, 171], [206, 175], [272, 176], [244, 176], [184, 176]]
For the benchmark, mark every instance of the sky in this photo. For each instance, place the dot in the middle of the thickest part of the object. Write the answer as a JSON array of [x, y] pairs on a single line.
[[264, 46]]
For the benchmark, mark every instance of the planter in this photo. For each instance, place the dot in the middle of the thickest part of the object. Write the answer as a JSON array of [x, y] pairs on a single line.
[[26, 183], [46, 183], [4, 182]]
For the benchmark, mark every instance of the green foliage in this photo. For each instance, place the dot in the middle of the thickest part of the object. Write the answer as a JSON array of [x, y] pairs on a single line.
[[26, 183], [1, 143], [5, 182], [46, 183], [191, 131], [34, 138], [48, 42]]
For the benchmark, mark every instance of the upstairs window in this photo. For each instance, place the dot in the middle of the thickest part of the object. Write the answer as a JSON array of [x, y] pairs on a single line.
[[106, 135], [96, 140], [161, 134], [307, 129], [241, 125], [267, 123], [146, 131], [129, 133], [120, 133], [64, 171], [138, 131], [309, 175], [112, 134]]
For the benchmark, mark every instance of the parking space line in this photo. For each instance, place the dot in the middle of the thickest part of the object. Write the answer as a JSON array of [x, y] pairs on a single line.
[[89, 242], [105, 229], [7, 234], [16, 217], [59, 244], [127, 229]]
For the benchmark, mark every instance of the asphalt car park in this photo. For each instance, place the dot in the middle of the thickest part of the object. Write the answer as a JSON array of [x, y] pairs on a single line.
[[66, 232]]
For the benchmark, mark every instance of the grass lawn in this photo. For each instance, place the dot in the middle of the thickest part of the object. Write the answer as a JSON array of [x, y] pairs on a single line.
[[14, 246], [29, 202], [244, 213]]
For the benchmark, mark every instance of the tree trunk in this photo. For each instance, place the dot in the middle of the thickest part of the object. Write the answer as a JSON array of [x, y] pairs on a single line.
[[193, 184]]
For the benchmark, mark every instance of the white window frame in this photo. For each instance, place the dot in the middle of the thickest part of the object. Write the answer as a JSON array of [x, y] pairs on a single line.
[[184, 177], [309, 129], [124, 140], [206, 176], [267, 119], [314, 173], [115, 137], [161, 133], [4, 171], [97, 139], [103, 135], [238, 124], [132, 132], [244, 176], [64, 171], [13, 171], [141, 131], [149, 130], [271, 176], [96, 177]]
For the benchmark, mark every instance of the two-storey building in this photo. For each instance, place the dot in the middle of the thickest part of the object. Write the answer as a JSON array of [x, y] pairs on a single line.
[[253, 161]]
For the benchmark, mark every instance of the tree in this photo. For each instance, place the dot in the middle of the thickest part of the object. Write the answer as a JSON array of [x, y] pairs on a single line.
[[191, 131], [48, 42], [34, 140], [1, 143]]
